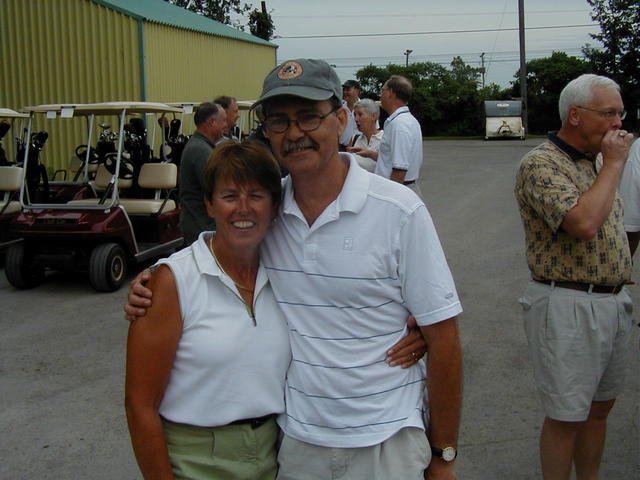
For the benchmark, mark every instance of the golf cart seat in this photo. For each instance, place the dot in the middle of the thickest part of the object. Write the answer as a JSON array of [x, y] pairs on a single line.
[[100, 183], [75, 164], [10, 182], [103, 177], [159, 176]]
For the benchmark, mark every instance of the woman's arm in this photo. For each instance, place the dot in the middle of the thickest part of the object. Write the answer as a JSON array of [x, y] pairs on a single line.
[[151, 348]]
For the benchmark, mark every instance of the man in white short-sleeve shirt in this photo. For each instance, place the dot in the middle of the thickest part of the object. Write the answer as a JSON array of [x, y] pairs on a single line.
[[350, 95], [400, 155], [630, 193], [350, 256]]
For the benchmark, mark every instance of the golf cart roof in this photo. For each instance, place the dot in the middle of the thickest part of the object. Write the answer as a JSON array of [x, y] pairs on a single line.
[[110, 108], [54, 107], [180, 104], [8, 113], [106, 108], [185, 107], [245, 104]]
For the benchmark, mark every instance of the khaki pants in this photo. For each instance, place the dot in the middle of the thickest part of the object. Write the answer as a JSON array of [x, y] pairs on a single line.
[[405, 455], [579, 347], [232, 452]]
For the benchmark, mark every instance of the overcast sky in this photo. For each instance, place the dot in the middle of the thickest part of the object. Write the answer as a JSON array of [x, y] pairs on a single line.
[[297, 18]]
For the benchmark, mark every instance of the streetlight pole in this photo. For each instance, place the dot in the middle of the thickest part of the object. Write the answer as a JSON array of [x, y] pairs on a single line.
[[407, 52], [482, 69]]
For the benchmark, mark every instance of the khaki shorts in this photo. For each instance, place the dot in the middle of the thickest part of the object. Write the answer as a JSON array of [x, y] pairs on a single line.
[[579, 346], [405, 455], [232, 452]]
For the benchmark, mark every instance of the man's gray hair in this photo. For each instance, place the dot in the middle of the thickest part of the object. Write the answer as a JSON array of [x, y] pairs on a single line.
[[370, 106], [205, 111], [579, 92]]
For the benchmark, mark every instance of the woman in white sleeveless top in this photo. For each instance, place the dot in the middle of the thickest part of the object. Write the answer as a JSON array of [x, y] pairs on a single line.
[[206, 365]]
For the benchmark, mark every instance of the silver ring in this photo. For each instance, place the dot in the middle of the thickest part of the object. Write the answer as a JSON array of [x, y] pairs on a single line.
[[622, 133]]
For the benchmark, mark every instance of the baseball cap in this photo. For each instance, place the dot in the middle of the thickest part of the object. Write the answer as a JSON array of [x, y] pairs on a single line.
[[351, 84], [307, 78]]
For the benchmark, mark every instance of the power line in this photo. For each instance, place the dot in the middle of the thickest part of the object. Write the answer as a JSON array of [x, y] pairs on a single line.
[[495, 40], [390, 15], [443, 32], [515, 58], [451, 55]]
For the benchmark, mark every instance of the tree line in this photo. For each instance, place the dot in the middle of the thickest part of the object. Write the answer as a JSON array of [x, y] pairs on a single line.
[[449, 101]]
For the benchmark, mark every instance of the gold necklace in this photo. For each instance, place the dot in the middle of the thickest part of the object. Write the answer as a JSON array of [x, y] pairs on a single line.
[[215, 258]]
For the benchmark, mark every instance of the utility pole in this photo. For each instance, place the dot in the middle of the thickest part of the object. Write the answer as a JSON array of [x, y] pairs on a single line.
[[407, 52], [482, 69], [523, 68]]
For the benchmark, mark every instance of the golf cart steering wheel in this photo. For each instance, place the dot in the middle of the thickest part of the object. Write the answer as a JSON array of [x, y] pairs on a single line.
[[81, 153], [126, 166]]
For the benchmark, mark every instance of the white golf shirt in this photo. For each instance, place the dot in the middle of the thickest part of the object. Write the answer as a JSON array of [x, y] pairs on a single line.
[[401, 146], [346, 286], [630, 189]]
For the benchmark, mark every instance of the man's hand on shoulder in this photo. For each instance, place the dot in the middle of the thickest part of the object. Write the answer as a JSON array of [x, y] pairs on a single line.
[[139, 297]]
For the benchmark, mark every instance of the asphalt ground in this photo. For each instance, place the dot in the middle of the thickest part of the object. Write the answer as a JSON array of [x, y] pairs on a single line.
[[62, 346]]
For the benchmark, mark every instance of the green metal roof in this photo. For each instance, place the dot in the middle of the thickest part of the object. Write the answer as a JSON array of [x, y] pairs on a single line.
[[159, 11]]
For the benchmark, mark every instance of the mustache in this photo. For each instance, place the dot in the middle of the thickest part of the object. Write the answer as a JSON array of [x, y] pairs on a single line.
[[301, 144]]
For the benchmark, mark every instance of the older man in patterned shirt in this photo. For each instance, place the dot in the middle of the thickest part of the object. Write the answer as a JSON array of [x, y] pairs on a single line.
[[577, 312]]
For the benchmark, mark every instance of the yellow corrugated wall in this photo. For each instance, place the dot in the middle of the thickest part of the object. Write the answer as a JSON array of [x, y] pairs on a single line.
[[66, 51], [76, 51], [184, 65]]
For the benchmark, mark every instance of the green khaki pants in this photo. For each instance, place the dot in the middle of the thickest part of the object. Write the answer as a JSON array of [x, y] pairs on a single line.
[[232, 452]]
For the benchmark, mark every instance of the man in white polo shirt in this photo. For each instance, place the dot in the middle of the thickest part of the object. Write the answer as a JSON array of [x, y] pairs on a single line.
[[350, 256], [350, 95], [400, 155]]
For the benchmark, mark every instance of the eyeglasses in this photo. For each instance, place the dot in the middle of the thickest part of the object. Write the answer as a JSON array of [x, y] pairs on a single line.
[[608, 114], [307, 122]]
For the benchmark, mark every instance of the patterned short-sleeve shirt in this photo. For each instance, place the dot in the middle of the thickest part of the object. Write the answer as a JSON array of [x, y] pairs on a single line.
[[549, 182]]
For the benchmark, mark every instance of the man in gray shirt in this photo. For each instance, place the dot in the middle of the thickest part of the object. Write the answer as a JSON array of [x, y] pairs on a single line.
[[211, 125]]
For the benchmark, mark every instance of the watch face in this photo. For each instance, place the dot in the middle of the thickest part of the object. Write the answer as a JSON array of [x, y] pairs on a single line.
[[449, 454]]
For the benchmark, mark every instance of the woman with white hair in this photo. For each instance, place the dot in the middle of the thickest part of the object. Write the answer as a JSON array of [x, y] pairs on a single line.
[[365, 144]]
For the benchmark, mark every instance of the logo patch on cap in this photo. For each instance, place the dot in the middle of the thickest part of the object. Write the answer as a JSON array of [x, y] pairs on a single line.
[[290, 70]]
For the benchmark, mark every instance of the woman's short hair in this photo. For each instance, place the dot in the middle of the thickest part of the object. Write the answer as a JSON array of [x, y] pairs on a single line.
[[243, 162], [370, 106], [579, 92]]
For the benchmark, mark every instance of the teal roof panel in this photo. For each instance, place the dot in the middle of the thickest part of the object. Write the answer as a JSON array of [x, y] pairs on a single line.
[[159, 11]]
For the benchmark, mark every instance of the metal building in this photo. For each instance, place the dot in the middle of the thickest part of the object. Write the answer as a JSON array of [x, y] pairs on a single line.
[[81, 51]]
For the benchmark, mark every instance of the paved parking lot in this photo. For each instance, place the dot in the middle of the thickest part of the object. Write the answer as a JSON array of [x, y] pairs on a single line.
[[62, 346]]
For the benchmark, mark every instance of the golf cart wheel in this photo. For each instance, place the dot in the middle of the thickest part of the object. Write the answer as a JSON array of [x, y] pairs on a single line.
[[107, 267], [20, 271]]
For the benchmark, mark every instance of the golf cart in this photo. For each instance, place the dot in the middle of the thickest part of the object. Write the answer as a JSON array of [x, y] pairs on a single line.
[[247, 121], [97, 226], [503, 119], [10, 173], [176, 133]]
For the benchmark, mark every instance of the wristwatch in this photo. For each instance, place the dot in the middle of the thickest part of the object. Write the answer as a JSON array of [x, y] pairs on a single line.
[[448, 454]]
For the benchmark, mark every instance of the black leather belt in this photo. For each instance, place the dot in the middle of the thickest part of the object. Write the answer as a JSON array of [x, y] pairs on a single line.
[[410, 182], [254, 422], [585, 287]]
